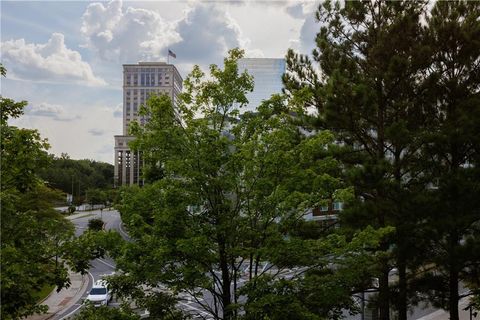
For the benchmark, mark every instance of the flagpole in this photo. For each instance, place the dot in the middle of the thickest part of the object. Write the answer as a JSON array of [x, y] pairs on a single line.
[[168, 56]]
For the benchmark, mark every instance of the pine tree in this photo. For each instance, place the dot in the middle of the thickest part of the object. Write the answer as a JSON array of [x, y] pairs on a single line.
[[452, 151], [369, 92]]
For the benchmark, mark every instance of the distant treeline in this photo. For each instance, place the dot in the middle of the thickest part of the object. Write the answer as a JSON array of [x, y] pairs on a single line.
[[76, 176]]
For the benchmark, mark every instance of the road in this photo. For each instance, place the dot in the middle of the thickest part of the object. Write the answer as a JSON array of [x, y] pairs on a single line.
[[99, 267], [106, 266]]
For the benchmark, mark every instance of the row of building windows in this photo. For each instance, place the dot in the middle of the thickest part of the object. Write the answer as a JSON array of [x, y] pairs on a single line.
[[147, 79], [142, 92], [136, 69]]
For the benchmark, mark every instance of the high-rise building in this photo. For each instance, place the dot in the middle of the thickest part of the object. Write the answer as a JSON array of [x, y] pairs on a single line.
[[267, 75], [139, 81]]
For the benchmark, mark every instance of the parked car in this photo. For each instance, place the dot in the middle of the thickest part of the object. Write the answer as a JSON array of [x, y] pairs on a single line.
[[99, 294]]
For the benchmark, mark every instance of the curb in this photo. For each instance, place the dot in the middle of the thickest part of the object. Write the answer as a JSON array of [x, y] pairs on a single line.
[[48, 296], [75, 298], [81, 290]]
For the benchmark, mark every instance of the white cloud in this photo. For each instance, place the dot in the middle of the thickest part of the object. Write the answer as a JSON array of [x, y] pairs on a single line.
[[51, 62], [305, 11], [55, 112], [74, 137], [126, 35], [206, 34], [201, 36]]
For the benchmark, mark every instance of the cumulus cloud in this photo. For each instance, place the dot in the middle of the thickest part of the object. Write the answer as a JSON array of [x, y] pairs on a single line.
[[206, 34], [305, 11], [50, 61], [52, 111], [126, 35]]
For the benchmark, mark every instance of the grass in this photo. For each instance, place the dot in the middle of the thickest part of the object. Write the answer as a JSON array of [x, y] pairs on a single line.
[[44, 292], [85, 215]]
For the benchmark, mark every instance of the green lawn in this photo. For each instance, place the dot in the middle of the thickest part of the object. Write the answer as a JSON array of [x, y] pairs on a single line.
[[44, 292], [85, 215]]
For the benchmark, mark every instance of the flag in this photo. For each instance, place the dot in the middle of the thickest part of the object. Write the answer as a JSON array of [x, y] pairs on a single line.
[[170, 53]]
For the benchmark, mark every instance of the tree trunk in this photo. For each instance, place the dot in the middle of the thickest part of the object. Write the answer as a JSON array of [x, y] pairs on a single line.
[[453, 280], [226, 292], [384, 294], [453, 295], [402, 304]]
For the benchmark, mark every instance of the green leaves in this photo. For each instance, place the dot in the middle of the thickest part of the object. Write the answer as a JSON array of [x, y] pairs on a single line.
[[227, 206], [37, 241]]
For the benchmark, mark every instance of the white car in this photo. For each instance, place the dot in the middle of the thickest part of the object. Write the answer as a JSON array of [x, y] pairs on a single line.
[[99, 294]]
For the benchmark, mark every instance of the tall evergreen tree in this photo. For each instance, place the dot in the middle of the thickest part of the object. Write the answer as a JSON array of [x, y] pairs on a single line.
[[452, 151], [368, 91]]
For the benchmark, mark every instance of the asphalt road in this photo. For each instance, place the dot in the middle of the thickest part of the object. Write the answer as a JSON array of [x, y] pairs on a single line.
[[106, 266], [100, 267]]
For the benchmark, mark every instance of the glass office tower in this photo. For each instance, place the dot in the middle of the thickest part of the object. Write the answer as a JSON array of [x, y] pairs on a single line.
[[267, 75]]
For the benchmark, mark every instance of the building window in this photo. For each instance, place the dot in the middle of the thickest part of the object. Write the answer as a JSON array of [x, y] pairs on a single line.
[[337, 206]]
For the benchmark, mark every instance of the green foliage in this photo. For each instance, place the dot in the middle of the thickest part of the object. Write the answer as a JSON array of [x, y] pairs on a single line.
[[36, 239], [398, 86], [95, 224], [33, 234], [96, 196], [77, 176], [231, 189], [90, 312]]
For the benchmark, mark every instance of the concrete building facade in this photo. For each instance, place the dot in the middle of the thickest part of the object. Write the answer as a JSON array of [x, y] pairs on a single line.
[[267, 75], [139, 82]]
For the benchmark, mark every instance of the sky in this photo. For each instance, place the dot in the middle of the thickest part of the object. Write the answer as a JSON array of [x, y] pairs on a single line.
[[65, 57]]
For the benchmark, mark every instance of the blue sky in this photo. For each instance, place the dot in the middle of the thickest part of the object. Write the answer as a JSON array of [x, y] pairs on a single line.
[[65, 57]]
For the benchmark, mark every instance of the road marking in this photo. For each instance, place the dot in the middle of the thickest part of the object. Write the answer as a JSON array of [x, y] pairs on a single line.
[[199, 311], [106, 263], [80, 305]]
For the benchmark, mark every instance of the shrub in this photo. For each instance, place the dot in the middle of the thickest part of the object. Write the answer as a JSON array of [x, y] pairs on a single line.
[[95, 224]]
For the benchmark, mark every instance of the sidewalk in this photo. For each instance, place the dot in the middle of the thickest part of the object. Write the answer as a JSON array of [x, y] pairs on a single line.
[[444, 315], [66, 298]]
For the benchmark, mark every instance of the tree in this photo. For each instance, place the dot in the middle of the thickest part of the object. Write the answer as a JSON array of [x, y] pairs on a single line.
[[36, 240], [103, 312], [96, 196], [369, 92], [403, 96], [231, 189], [453, 149], [33, 234], [95, 224], [77, 176]]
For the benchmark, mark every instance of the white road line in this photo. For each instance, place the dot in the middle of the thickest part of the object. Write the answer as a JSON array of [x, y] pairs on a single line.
[[200, 311], [106, 263], [81, 305]]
